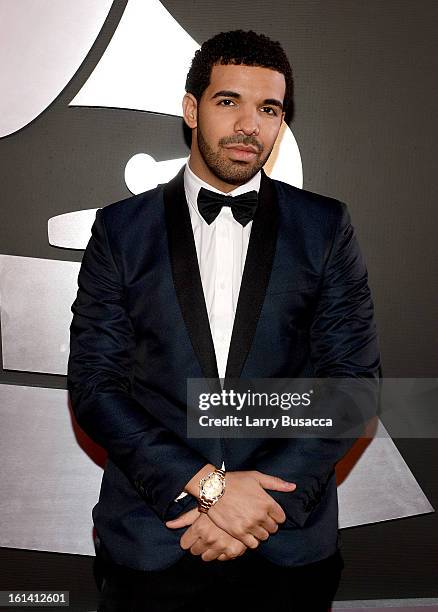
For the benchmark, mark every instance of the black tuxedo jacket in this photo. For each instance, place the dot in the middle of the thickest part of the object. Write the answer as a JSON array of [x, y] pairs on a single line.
[[140, 329]]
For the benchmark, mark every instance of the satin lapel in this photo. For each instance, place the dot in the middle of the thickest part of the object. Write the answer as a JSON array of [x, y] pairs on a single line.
[[186, 275], [256, 273]]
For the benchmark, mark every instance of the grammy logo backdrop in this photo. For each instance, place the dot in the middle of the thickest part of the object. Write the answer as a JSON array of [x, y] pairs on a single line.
[[91, 111]]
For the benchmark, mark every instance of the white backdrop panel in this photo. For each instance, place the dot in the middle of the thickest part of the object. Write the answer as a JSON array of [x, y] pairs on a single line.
[[35, 301], [380, 487], [40, 55], [48, 483]]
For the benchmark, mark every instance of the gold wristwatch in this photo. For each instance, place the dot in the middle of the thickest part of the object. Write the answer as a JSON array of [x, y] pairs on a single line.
[[211, 489]]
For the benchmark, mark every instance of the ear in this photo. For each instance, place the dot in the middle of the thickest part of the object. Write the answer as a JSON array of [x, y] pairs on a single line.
[[190, 110]]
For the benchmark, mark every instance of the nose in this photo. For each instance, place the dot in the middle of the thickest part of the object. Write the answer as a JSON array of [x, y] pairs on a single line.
[[247, 122]]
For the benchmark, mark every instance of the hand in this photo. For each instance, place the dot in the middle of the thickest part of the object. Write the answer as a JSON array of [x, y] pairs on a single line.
[[246, 511], [206, 539]]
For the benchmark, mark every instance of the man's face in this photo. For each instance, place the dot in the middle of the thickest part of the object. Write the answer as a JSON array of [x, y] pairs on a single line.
[[235, 124]]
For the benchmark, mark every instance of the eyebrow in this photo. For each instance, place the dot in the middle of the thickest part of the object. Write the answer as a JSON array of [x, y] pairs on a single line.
[[225, 93]]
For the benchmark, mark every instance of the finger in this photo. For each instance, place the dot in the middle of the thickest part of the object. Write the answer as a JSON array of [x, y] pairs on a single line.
[[198, 548], [276, 512], [210, 555], [188, 539], [260, 533], [270, 524], [228, 556], [274, 482], [249, 540], [185, 519]]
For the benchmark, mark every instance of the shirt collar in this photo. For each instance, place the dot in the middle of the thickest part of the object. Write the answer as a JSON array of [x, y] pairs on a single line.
[[193, 184]]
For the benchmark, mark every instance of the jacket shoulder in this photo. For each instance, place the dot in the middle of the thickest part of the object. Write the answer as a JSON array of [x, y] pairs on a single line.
[[124, 210], [126, 219], [309, 204]]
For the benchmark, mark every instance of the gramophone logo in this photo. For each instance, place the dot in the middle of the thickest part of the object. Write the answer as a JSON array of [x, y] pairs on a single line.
[[43, 44]]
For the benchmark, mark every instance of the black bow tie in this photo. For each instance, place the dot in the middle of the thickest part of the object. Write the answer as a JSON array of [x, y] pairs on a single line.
[[242, 206]]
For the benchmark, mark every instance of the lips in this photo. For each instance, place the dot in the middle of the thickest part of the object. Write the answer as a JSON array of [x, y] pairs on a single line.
[[241, 147], [239, 152]]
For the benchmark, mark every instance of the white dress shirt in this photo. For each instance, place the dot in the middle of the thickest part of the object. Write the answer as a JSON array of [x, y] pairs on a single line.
[[221, 249]]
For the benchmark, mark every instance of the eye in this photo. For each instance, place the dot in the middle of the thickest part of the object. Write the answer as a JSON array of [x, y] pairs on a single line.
[[269, 110], [226, 102]]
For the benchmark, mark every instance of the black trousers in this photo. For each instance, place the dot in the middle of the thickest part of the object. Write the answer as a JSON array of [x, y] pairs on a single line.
[[247, 582]]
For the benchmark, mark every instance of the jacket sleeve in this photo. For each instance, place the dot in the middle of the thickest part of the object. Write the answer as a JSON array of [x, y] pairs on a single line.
[[343, 344], [102, 345]]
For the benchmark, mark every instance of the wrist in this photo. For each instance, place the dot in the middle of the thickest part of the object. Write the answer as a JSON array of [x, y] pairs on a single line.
[[192, 486]]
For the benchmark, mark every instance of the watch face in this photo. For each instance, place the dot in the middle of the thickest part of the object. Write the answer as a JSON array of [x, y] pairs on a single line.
[[212, 487]]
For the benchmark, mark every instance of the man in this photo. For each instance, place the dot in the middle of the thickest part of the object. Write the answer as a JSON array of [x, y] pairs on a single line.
[[185, 282]]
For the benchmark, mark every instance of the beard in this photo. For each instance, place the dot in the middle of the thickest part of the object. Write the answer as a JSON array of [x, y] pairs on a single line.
[[233, 172]]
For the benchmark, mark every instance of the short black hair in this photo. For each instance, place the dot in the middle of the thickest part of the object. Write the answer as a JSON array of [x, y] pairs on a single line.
[[240, 48]]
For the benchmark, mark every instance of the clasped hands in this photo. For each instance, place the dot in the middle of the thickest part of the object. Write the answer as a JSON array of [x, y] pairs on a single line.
[[240, 519]]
